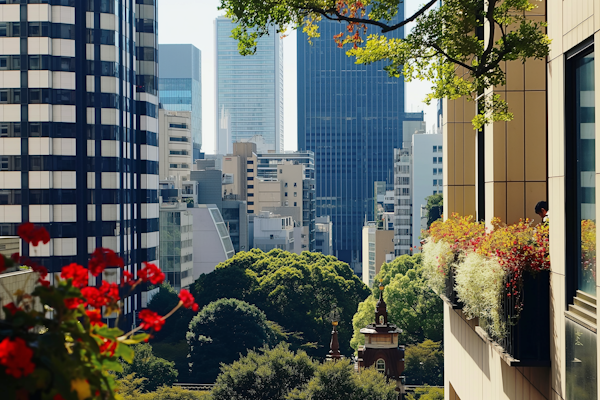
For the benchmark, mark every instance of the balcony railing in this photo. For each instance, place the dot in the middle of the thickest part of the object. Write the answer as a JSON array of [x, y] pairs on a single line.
[[527, 338]]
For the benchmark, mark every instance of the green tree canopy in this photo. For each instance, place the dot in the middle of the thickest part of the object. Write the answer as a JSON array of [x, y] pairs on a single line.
[[150, 371], [424, 364], [339, 381], [434, 204], [426, 393], [222, 331], [297, 292], [411, 305], [444, 38], [264, 375]]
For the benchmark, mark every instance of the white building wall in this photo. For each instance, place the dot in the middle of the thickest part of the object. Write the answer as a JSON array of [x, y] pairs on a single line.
[[427, 175]]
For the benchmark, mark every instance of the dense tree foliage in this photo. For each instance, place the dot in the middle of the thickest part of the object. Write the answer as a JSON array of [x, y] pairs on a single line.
[[169, 343], [222, 331], [264, 375], [297, 292], [444, 38], [435, 203], [151, 371], [411, 304], [339, 381], [424, 363], [129, 389], [426, 393], [280, 374]]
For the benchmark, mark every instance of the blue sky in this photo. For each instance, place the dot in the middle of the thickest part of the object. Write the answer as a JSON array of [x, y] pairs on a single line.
[[191, 21]]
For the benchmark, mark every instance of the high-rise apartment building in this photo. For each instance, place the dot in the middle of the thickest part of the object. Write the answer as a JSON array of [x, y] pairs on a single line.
[[180, 85], [175, 144], [283, 183], [79, 129], [402, 201], [248, 90], [351, 117]]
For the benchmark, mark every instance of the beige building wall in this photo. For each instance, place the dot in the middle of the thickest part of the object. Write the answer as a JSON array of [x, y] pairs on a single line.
[[459, 144], [175, 144], [570, 22], [267, 194], [515, 174], [233, 165]]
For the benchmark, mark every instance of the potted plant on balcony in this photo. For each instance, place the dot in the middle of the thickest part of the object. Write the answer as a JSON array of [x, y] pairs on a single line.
[[54, 343], [446, 244]]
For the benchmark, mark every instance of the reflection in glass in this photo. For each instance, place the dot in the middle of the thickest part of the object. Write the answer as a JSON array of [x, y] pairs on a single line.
[[586, 170], [582, 363]]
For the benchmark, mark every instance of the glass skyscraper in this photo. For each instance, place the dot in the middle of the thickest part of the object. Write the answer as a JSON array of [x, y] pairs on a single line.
[[78, 130], [248, 90], [180, 85], [351, 117]]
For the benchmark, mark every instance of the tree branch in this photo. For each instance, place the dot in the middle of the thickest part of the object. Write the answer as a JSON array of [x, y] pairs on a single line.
[[337, 16], [455, 61], [489, 15]]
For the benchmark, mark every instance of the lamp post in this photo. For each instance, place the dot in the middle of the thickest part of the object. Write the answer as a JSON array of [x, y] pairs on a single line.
[[334, 345]]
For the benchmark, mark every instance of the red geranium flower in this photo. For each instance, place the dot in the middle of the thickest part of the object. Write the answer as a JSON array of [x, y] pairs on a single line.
[[15, 355], [93, 297], [103, 258], [151, 273], [151, 320], [109, 347], [128, 278], [188, 300], [43, 282], [77, 273], [30, 234], [110, 290], [2, 263], [95, 317], [73, 302], [10, 307]]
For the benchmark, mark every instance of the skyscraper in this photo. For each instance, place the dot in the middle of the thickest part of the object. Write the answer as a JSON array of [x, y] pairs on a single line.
[[248, 90], [351, 117], [78, 129], [180, 85]]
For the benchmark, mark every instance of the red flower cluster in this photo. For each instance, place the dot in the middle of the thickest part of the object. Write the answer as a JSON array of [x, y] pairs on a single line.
[[11, 308], [188, 300], [30, 234], [109, 347], [103, 258], [73, 302], [16, 356], [95, 317], [77, 273], [150, 272], [151, 320]]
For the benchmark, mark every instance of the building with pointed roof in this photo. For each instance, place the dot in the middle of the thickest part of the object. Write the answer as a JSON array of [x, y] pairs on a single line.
[[381, 347]]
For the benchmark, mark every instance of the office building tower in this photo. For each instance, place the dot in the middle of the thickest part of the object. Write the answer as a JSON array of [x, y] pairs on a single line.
[[180, 85], [248, 90], [175, 144], [283, 183], [351, 117], [79, 130], [176, 244], [402, 201]]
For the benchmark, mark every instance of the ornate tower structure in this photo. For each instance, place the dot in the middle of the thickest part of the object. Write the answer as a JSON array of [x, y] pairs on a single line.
[[381, 344]]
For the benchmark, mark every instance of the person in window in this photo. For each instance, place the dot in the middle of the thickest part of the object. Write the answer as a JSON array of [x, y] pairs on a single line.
[[541, 209]]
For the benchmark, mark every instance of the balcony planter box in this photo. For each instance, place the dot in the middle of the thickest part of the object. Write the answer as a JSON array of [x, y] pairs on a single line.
[[450, 294], [528, 339]]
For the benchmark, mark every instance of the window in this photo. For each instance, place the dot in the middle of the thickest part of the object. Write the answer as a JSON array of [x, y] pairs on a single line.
[[435, 160], [435, 149], [4, 163], [580, 172], [251, 187], [295, 194], [250, 194], [435, 192], [285, 184], [435, 182], [295, 184], [439, 160], [178, 139], [380, 366], [250, 178], [250, 203], [178, 126], [285, 194], [295, 204], [249, 170], [249, 162]]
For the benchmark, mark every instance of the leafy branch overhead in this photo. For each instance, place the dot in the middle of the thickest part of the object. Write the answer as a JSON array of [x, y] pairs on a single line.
[[459, 45]]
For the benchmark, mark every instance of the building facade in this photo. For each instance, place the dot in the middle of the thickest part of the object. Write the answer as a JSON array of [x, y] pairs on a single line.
[[180, 85], [212, 244], [402, 201], [79, 130], [273, 231], [175, 144], [176, 244], [350, 116], [248, 90], [324, 236], [378, 248]]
